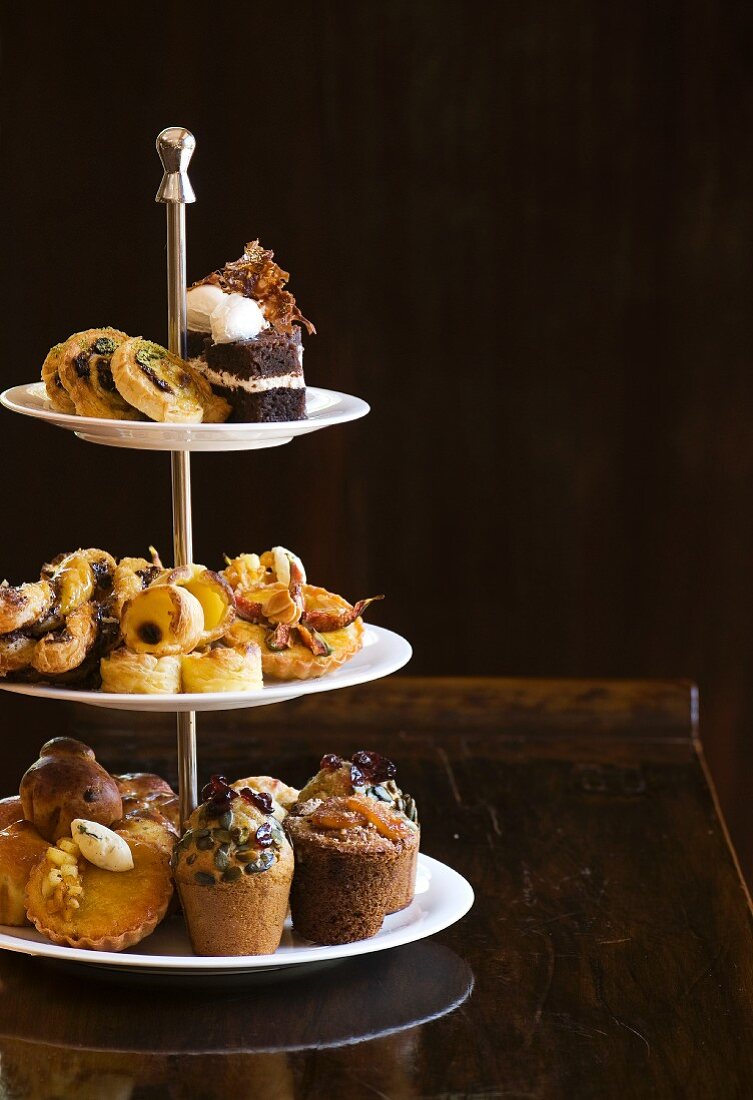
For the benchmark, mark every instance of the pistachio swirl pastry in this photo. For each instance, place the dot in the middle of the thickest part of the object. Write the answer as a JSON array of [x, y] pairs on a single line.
[[85, 368], [163, 386], [24, 604], [223, 669], [140, 673], [233, 868], [56, 391]]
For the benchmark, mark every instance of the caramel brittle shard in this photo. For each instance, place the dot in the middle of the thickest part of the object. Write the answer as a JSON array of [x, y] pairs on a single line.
[[256, 275]]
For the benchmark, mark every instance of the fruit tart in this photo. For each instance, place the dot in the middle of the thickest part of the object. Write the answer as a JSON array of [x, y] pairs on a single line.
[[233, 868], [303, 631], [99, 889]]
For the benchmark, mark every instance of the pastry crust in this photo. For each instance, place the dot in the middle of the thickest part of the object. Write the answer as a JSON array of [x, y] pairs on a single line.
[[297, 662], [23, 605], [116, 909], [16, 652], [85, 368], [56, 391], [144, 791], [64, 650], [223, 669], [11, 810], [163, 386], [140, 673]]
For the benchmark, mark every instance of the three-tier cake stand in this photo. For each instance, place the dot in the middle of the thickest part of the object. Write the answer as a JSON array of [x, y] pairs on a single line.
[[383, 652]]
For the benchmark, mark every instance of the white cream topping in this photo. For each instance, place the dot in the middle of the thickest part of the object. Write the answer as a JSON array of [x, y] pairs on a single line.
[[229, 317], [101, 846], [250, 385], [201, 301]]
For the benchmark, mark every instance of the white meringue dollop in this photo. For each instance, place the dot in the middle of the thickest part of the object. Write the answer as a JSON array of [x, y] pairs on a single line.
[[228, 317]]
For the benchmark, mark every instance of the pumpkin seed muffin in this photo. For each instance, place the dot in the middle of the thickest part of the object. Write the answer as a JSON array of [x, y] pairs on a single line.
[[350, 853], [373, 775], [233, 868]]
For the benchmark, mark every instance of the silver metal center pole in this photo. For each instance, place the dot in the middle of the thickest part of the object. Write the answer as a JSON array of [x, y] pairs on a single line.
[[175, 147]]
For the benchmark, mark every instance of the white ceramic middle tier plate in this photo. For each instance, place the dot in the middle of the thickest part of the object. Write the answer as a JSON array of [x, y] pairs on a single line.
[[383, 652], [442, 897], [323, 407]]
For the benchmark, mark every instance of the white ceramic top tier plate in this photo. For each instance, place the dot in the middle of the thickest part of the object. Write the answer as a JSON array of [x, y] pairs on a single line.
[[442, 897], [383, 652], [323, 407]]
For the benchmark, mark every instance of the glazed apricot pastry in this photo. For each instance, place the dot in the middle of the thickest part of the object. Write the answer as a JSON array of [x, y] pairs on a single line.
[[213, 593], [163, 620], [98, 889]]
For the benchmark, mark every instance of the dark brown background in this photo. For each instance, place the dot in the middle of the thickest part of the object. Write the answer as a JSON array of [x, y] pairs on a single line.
[[524, 233]]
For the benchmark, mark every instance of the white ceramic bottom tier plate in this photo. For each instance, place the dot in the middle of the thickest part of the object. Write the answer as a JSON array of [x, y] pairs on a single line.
[[323, 407], [442, 897], [383, 652]]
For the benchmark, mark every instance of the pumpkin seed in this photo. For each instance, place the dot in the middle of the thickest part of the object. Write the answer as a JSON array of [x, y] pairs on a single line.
[[203, 832], [223, 836], [232, 874], [204, 843], [221, 859], [262, 863], [204, 878], [226, 820], [191, 859], [382, 794]]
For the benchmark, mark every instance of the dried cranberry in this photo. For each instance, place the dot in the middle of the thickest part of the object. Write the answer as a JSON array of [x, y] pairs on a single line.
[[218, 794], [264, 835], [260, 799], [370, 767], [331, 762]]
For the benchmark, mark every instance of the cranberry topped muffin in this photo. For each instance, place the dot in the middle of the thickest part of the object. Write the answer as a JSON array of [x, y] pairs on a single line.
[[233, 867], [350, 852], [372, 775]]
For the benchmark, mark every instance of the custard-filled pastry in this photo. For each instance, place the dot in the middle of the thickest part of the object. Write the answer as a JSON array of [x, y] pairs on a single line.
[[21, 847], [98, 889], [164, 620]]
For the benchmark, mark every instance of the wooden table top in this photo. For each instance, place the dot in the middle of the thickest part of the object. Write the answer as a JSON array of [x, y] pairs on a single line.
[[609, 952]]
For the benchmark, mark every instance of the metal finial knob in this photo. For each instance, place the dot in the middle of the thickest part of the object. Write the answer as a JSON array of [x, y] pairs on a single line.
[[175, 146]]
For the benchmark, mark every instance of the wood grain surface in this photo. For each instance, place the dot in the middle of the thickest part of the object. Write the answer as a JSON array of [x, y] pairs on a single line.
[[609, 952]]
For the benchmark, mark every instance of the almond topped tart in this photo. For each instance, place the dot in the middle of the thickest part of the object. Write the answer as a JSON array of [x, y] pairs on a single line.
[[303, 631], [99, 889]]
